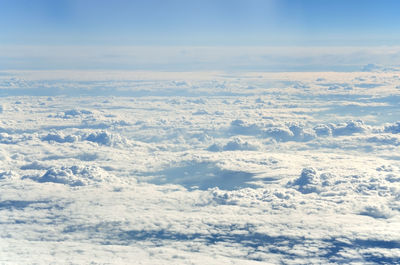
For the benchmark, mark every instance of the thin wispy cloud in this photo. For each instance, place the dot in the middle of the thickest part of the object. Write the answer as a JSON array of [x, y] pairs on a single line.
[[190, 58]]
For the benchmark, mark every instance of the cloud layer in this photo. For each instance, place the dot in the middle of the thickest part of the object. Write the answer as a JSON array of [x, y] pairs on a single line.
[[199, 167], [198, 58]]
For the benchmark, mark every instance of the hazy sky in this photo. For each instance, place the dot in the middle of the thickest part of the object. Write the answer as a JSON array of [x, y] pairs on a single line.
[[27, 27]]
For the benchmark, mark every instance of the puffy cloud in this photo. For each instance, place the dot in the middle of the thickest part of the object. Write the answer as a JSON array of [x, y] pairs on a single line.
[[296, 176], [349, 128], [60, 138], [308, 182], [75, 176], [235, 144], [244, 128], [393, 128]]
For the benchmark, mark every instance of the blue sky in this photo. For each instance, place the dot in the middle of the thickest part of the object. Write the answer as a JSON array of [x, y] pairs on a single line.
[[186, 23]]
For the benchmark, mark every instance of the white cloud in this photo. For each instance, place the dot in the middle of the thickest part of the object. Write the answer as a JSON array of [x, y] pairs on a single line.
[[303, 173], [192, 58]]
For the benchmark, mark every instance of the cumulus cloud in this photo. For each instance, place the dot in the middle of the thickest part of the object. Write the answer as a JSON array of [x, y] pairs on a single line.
[[308, 182], [199, 168], [349, 128], [75, 176], [99, 137], [60, 138], [244, 128], [393, 128], [235, 144]]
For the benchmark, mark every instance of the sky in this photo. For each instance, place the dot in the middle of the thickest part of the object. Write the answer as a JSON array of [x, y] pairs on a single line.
[[73, 27]]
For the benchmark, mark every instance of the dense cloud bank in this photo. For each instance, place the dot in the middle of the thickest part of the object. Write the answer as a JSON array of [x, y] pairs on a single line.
[[194, 168]]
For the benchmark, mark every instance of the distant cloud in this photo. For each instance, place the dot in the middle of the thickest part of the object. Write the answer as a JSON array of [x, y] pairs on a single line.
[[191, 58]]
